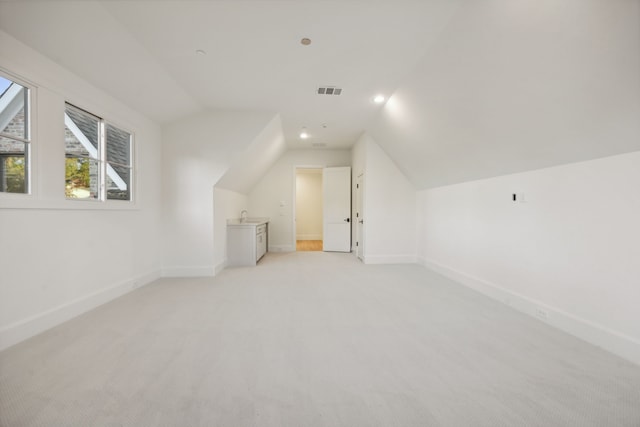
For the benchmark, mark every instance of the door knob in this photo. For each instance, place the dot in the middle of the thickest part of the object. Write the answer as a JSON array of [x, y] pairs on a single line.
[[361, 221], [347, 219]]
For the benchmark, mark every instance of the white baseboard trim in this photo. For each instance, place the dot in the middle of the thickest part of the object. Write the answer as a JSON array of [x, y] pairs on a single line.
[[617, 343], [282, 248], [308, 236], [33, 325], [203, 271], [220, 266], [389, 259]]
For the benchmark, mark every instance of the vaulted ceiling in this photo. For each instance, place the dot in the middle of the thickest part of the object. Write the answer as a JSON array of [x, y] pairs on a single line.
[[517, 85], [477, 88], [144, 52]]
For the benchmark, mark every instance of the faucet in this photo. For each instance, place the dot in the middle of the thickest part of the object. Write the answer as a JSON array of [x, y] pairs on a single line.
[[243, 215]]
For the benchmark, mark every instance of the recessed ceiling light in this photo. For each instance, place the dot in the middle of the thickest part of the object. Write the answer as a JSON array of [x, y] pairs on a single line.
[[305, 41], [200, 52], [304, 134], [379, 99]]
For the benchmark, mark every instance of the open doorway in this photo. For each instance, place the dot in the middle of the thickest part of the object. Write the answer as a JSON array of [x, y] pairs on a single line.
[[308, 209]]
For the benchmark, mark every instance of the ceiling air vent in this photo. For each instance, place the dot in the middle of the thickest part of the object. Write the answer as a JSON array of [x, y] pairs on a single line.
[[329, 90], [318, 144]]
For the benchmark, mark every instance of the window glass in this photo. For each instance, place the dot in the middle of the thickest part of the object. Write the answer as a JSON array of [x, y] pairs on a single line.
[[118, 146], [118, 163], [84, 127], [82, 166], [13, 166], [81, 178], [14, 136], [118, 188], [98, 158]]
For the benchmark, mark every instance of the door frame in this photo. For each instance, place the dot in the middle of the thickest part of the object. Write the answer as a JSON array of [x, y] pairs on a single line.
[[359, 208], [295, 201]]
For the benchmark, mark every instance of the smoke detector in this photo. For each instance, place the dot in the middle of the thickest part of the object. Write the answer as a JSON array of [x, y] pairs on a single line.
[[329, 90]]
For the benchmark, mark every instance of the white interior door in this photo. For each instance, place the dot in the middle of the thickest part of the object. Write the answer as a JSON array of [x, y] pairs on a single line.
[[359, 221], [336, 191]]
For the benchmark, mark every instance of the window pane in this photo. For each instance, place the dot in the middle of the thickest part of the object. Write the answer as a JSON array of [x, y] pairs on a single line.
[[82, 133], [118, 146], [81, 177], [118, 182], [73, 146], [94, 147], [13, 166], [13, 98]]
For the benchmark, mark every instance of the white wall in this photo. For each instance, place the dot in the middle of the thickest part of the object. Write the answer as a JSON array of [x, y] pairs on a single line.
[[273, 196], [61, 257], [309, 204], [571, 249], [226, 204], [389, 206], [197, 152]]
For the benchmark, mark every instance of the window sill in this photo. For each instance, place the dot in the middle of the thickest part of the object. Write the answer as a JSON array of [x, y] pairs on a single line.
[[29, 201]]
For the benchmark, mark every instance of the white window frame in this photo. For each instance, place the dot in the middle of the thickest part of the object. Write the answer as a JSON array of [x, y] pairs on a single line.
[[29, 137], [104, 168]]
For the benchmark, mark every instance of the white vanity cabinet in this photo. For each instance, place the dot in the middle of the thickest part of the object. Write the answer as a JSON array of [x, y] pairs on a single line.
[[247, 241], [261, 241]]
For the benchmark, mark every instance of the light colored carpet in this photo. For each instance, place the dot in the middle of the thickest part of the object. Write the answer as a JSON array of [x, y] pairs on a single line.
[[313, 339]]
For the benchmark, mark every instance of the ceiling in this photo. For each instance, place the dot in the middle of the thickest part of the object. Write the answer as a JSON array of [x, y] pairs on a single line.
[[476, 88], [518, 85], [144, 53]]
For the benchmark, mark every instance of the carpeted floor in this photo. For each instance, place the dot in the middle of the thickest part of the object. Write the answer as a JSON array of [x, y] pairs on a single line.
[[313, 339]]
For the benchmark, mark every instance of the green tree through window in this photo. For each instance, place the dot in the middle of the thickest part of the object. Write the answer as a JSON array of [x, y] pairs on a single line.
[[14, 169], [77, 177]]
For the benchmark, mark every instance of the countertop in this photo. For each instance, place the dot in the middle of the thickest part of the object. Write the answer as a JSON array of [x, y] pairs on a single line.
[[248, 221]]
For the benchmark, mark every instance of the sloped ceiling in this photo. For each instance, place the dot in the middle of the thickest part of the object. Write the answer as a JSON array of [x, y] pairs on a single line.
[[480, 87], [82, 37], [249, 165], [144, 53], [514, 85], [207, 144]]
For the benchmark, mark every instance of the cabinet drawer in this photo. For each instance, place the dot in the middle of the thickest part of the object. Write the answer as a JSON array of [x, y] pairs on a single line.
[[261, 229]]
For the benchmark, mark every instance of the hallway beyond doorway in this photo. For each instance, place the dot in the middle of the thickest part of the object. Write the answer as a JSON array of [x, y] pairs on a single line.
[[308, 245]]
